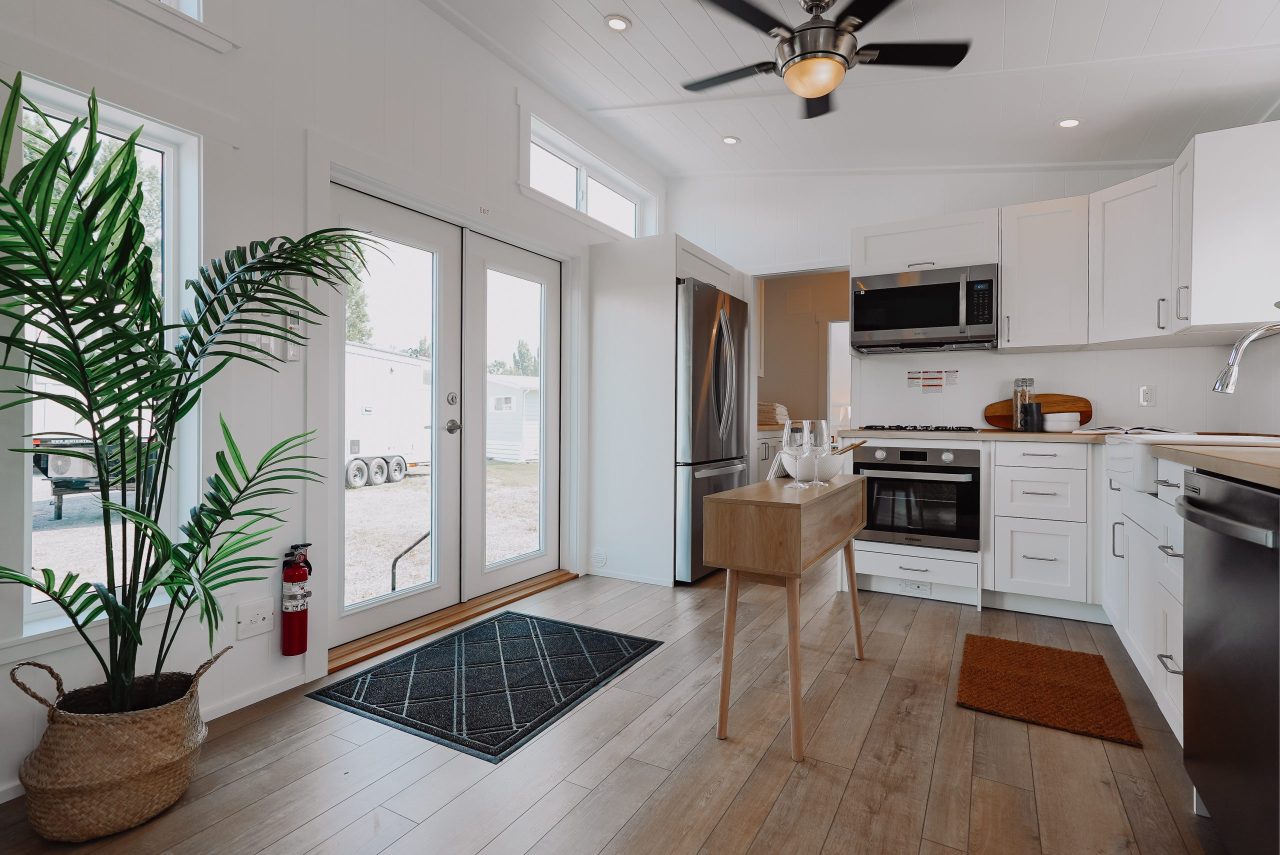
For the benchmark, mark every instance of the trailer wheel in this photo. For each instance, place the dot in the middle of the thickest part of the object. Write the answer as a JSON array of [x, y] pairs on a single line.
[[357, 474], [377, 471], [396, 469]]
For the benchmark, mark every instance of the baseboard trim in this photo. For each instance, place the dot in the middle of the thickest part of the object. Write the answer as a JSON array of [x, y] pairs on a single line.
[[355, 652]]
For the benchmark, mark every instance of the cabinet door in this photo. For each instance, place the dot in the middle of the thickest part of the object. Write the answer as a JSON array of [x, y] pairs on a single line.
[[1115, 574], [1183, 212], [955, 240], [1130, 258], [1168, 651], [1042, 558], [1140, 554], [1044, 273]]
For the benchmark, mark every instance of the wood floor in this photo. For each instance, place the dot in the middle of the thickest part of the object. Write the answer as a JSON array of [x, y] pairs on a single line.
[[893, 765]]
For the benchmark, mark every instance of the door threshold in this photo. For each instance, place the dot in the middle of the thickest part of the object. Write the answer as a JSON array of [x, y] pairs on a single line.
[[355, 652]]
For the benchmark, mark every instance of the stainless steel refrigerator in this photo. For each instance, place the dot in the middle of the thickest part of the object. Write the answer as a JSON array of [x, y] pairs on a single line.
[[712, 372]]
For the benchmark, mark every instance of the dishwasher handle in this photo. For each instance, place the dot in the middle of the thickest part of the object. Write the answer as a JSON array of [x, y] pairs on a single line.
[[1224, 525]]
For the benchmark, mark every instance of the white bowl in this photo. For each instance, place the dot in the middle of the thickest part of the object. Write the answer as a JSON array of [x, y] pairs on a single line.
[[827, 467], [1064, 423]]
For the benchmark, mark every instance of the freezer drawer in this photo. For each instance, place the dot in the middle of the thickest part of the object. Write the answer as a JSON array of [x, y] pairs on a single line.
[[693, 484]]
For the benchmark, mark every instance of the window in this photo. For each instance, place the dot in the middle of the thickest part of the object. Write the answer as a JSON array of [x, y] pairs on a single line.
[[190, 8], [55, 495], [502, 404], [564, 171]]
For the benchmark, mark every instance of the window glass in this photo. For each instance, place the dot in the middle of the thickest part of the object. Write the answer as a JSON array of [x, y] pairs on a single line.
[[190, 8], [611, 208], [552, 175]]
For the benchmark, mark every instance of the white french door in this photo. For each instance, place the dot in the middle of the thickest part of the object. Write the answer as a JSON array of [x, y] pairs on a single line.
[[443, 457], [511, 428]]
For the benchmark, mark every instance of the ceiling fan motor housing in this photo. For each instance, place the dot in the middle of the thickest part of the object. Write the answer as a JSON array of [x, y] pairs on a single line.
[[817, 37]]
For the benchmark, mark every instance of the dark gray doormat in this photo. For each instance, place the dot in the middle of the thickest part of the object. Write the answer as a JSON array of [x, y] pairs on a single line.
[[492, 686]]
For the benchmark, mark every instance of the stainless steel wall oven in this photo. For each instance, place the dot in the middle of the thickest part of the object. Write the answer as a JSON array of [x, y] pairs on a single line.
[[922, 496]]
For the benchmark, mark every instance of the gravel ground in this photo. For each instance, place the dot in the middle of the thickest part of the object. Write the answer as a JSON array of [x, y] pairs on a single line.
[[381, 522]]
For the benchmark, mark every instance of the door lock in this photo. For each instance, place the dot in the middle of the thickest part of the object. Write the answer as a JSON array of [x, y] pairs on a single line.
[[453, 426], [452, 399]]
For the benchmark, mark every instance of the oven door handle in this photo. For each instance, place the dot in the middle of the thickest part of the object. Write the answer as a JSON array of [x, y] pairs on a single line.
[[954, 478]]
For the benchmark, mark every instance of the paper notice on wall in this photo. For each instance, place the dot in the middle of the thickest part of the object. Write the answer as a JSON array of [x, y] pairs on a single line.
[[913, 379], [933, 381], [953, 377]]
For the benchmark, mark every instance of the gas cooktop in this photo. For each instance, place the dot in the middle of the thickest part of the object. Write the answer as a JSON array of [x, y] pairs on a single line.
[[922, 428]]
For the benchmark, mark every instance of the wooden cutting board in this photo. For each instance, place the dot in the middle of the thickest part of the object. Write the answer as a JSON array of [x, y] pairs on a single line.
[[1000, 414]]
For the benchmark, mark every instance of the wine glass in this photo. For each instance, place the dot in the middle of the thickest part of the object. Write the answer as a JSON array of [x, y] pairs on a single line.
[[794, 438], [820, 442]]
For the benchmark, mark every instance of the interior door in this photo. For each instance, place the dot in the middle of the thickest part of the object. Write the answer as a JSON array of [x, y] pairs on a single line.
[[395, 462], [511, 422]]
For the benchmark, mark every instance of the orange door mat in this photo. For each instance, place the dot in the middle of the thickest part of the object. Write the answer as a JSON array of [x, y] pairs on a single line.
[[1063, 689]]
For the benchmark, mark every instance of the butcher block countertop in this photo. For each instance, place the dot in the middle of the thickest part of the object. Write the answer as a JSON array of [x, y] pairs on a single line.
[[979, 435], [1256, 465]]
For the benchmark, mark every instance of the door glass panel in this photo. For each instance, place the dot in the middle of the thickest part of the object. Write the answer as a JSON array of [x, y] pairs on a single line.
[[389, 333], [513, 417]]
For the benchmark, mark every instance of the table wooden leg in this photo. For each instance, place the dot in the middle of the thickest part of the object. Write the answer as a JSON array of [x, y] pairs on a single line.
[[793, 667], [851, 574], [726, 655]]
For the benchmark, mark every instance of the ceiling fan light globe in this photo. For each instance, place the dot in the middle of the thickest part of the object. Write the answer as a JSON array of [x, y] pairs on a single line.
[[814, 76]]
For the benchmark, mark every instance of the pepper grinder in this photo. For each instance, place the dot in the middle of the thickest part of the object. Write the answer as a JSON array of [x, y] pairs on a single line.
[[1022, 394]]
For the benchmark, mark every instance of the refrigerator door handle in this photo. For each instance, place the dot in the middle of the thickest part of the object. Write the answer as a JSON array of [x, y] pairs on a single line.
[[731, 390]]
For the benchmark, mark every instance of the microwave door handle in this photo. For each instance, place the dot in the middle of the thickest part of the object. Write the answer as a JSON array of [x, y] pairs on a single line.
[[964, 302]]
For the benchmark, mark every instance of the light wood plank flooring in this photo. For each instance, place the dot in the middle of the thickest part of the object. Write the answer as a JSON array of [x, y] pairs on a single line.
[[893, 765]]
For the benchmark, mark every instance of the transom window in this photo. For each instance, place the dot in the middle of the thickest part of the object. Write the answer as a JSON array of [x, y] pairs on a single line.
[[190, 8]]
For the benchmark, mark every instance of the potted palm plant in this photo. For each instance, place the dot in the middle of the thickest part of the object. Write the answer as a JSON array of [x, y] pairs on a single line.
[[83, 327]]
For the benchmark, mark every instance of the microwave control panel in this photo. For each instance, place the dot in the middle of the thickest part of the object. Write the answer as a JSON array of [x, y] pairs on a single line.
[[980, 302]]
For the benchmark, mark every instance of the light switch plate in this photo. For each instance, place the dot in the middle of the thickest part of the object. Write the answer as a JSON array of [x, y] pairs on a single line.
[[918, 589], [255, 617]]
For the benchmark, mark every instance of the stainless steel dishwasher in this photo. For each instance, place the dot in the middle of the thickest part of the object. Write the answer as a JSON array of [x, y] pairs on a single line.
[[1231, 656]]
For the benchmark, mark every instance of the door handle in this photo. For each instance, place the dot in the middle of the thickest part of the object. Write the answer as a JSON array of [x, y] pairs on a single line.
[[1111, 485], [1008, 329], [1038, 558], [453, 426], [1224, 525], [921, 264], [1169, 551], [1182, 315], [1114, 526], [1165, 659], [1160, 324], [913, 569]]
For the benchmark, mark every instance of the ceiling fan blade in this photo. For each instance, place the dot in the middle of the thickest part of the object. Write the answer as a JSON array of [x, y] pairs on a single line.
[[753, 15], [932, 54], [815, 107], [730, 76], [864, 10]]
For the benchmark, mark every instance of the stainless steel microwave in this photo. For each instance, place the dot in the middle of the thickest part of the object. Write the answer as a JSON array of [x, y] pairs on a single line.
[[953, 308]]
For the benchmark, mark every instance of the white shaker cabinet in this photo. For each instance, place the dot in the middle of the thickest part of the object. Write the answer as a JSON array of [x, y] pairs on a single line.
[[954, 240], [1226, 202], [1044, 273], [1131, 258]]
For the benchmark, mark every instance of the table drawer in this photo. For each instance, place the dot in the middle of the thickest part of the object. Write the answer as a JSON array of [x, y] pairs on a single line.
[[1042, 494], [1050, 455], [960, 573]]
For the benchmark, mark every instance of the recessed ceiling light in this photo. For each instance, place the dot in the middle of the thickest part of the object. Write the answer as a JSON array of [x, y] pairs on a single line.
[[1068, 123], [617, 22], [730, 140]]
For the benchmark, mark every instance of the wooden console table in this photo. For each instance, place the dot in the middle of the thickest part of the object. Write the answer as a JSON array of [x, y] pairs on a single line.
[[771, 534]]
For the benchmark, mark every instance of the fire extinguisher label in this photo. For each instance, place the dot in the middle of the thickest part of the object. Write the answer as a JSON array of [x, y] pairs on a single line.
[[295, 597]]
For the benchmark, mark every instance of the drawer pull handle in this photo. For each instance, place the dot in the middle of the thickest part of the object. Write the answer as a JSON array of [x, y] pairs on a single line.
[[1169, 551], [1114, 526], [1165, 659], [1111, 485], [1038, 558], [1039, 454], [913, 569], [1162, 482], [1039, 493]]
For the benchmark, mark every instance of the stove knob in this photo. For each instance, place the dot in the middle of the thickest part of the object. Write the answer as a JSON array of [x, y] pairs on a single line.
[[881, 454], [948, 457]]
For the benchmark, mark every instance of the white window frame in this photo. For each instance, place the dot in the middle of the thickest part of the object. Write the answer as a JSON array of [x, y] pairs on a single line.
[[538, 132], [20, 619], [184, 17]]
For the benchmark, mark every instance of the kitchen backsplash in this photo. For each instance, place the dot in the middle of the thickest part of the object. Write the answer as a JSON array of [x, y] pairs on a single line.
[[1182, 377]]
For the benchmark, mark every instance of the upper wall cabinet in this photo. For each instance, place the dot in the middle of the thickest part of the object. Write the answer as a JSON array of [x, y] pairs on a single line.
[[956, 240], [1044, 273], [1130, 258], [1226, 202]]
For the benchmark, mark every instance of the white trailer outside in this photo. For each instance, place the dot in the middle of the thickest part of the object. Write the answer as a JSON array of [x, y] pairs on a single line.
[[388, 415]]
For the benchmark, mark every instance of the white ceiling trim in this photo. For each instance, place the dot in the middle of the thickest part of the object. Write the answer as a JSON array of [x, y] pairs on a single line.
[[941, 168]]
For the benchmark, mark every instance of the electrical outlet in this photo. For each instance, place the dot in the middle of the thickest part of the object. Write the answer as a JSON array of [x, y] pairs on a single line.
[[1146, 396], [255, 617], [915, 589]]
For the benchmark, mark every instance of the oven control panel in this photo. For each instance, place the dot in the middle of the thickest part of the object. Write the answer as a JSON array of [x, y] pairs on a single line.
[[960, 458]]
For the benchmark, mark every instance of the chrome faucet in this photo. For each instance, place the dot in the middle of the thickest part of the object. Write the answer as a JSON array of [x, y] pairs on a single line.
[[1226, 382]]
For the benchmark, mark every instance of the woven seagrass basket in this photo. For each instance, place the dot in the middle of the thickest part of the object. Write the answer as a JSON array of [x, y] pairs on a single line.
[[97, 773]]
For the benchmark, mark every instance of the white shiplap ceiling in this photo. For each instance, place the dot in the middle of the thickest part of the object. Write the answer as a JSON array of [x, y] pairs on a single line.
[[1142, 76]]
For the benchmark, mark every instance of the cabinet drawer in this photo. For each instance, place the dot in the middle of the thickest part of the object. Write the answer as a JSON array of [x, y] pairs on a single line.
[[1169, 480], [1043, 494], [1048, 455], [1043, 558], [960, 573]]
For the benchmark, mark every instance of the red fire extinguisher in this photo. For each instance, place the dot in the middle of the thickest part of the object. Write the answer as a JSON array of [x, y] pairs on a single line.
[[293, 601]]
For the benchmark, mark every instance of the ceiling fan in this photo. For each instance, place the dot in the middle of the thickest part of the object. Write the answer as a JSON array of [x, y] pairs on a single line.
[[812, 58]]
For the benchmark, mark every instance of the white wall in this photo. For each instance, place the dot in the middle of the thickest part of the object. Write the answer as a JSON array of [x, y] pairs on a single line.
[[784, 223], [1255, 406], [391, 80]]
